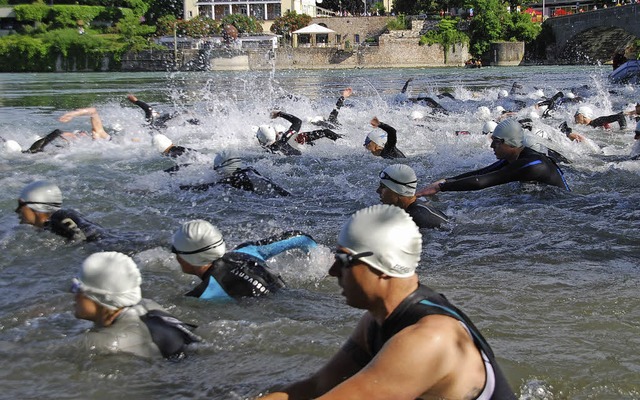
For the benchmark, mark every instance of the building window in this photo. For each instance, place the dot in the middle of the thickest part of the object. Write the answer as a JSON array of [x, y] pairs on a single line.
[[273, 11], [356, 38]]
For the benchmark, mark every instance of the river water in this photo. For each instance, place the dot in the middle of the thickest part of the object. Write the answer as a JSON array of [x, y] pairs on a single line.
[[550, 277]]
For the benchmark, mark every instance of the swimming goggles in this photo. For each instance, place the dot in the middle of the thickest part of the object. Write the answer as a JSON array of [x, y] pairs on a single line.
[[209, 247], [345, 260], [76, 286], [366, 141], [386, 176], [26, 203]]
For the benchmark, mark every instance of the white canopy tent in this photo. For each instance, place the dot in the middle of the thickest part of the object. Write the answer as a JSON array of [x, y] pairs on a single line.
[[314, 30]]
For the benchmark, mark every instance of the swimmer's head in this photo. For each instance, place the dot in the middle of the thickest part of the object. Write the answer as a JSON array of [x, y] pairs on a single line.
[[377, 136], [570, 95], [111, 279], [315, 120], [399, 178], [502, 94], [389, 234], [226, 163], [161, 142], [11, 146], [539, 93], [266, 135], [499, 110], [488, 127], [41, 196], [483, 113], [198, 243], [585, 111], [510, 131]]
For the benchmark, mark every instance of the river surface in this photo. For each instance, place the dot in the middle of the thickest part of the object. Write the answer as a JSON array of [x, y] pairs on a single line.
[[551, 278]]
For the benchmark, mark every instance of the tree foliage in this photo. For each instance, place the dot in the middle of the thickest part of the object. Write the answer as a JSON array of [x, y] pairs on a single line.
[[289, 22], [488, 25], [447, 34], [243, 23], [195, 27]]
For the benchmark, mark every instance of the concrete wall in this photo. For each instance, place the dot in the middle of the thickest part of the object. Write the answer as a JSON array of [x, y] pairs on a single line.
[[348, 27], [506, 53]]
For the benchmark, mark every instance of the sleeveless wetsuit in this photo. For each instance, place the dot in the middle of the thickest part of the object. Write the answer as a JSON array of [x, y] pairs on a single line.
[[245, 179], [425, 215], [390, 150], [530, 166], [145, 330], [424, 302], [243, 272], [72, 225]]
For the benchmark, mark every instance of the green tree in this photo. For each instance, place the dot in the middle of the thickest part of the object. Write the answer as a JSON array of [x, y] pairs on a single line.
[[243, 23], [289, 22], [488, 25], [522, 28]]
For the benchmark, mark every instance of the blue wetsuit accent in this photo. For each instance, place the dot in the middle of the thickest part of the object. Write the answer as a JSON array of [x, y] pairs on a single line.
[[266, 251], [214, 291]]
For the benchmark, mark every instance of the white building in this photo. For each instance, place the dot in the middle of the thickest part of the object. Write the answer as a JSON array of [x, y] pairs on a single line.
[[260, 9]]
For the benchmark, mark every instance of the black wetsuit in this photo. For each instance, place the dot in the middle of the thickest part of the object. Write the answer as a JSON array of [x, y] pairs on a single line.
[[282, 145], [530, 166], [310, 137], [243, 272], [40, 144], [332, 121], [424, 302], [425, 215], [152, 117], [390, 150], [605, 120], [245, 179], [72, 225]]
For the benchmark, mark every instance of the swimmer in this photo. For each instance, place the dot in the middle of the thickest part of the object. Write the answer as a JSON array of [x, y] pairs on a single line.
[[236, 174], [584, 115], [201, 251], [398, 188], [291, 141], [107, 292], [332, 121], [166, 147], [411, 342], [97, 128], [515, 163], [382, 144], [40, 205], [153, 117]]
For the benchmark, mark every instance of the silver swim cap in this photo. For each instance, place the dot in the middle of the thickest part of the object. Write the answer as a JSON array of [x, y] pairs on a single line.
[[111, 279], [266, 135], [161, 142], [586, 111], [390, 233], [510, 131], [489, 127], [11, 146], [198, 243], [42, 196], [399, 178], [377, 136], [226, 163]]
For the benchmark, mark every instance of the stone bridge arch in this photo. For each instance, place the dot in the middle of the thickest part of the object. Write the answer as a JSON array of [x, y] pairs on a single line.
[[594, 36]]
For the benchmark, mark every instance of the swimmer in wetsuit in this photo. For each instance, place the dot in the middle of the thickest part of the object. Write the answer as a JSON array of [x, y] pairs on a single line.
[[166, 147], [584, 116], [236, 174], [39, 205], [200, 250], [290, 142], [153, 117], [107, 292], [515, 163], [410, 342], [398, 187], [332, 121], [382, 144]]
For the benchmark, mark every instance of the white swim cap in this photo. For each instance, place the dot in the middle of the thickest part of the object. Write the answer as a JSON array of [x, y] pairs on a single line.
[[161, 142], [377, 136], [42, 196], [415, 115], [483, 113], [586, 111], [570, 95], [488, 127], [389, 233], [399, 178], [198, 243], [111, 279], [266, 135], [226, 163], [500, 109], [12, 146], [539, 93], [503, 93], [510, 131]]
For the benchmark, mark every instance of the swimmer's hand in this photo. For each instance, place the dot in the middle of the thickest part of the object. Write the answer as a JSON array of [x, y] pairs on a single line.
[[347, 92], [375, 122], [132, 98], [430, 190], [576, 136], [275, 114]]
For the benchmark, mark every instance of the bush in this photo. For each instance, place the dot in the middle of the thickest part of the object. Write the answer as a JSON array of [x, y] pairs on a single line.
[[31, 13], [291, 21], [68, 16], [243, 23], [24, 54], [399, 23]]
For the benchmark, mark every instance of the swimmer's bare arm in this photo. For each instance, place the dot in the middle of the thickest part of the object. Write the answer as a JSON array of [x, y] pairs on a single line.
[[344, 364], [97, 129]]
